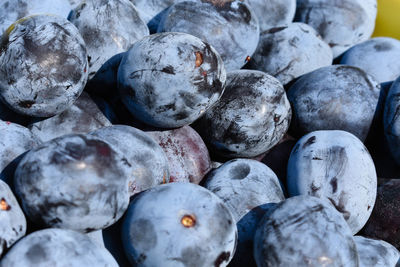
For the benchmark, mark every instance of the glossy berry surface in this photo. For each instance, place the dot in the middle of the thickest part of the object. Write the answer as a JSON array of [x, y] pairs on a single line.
[[337, 166], [169, 80], [43, 65], [76, 181], [178, 224], [57, 247], [251, 117]]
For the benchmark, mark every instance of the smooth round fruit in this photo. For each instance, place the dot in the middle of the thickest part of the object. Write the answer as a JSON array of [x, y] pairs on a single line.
[[377, 57], [244, 184], [76, 182], [342, 23], [287, 52], [376, 252], [337, 166], [147, 162], [304, 231], [251, 117], [58, 248], [178, 224], [108, 28], [169, 80], [337, 97], [231, 27], [43, 65], [13, 222]]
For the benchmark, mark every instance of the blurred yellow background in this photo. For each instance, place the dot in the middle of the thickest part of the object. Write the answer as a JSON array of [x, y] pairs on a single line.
[[388, 19]]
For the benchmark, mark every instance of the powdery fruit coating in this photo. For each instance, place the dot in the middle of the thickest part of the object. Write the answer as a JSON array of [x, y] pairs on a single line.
[[13, 10], [57, 247], [82, 117], [169, 80], [230, 26], [108, 28], [188, 157], [290, 51], [334, 98], [377, 57], [376, 253], [341, 23], [391, 120], [13, 222], [304, 231], [273, 13], [251, 117], [247, 227], [179, 224], [15, 140], [244, 184], [384, 222], [75, 182], [148, 164], [337, 166], [43, 65], [149, 9]]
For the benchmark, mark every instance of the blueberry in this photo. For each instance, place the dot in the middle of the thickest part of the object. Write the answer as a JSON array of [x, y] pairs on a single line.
[[188, 157], [287, 52], [13, 222], [304, 231], [385, 220], [43, 65], [231, 27], [82, 117], [149, 9], [178, 224], [337, 166], [148, 164], [391, 120], [251, 117], [244, 184], [247, 227], [334, 98], [57, 247], [108, 28], [76, 181], [13, 10], [341, 24], [377, 57], [169, 80], [376, 252], [15, 140], [273, 13]]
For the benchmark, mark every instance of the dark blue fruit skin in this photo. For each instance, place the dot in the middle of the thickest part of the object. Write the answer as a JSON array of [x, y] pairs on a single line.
[[43, 66], [76, 181], [337, 97], [148, 164], [377, 56], [82, 117], [391, 120], [108, 28], [243, 184], [168, 80], [304, 231], [251, 117], [247, 227], [57, 247], [230, 27], [154, 233]]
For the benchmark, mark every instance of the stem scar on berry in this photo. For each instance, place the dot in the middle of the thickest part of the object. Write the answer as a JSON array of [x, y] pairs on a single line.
[[4, 205], [199, 59], [188, 221]]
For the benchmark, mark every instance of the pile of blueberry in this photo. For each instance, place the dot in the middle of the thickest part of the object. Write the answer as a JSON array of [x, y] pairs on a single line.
[[198, 133]]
